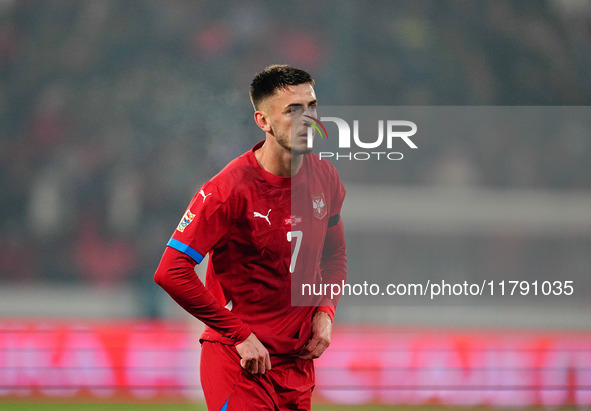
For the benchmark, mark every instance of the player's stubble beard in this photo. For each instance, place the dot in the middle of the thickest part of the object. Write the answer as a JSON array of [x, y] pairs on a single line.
[[285, 141]]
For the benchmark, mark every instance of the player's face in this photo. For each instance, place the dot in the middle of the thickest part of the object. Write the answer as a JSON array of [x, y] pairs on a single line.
[[285, 113]]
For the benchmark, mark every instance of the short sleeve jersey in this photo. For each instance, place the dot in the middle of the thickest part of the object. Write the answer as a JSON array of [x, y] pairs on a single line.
[[262, 231]]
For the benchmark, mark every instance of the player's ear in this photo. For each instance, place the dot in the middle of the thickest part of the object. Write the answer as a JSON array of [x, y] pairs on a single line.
[[261, 119]]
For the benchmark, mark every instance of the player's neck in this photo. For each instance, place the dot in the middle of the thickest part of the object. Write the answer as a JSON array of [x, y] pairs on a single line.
[[277, 160]]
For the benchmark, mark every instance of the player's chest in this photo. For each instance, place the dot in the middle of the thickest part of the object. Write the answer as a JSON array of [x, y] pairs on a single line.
[[268, 216]]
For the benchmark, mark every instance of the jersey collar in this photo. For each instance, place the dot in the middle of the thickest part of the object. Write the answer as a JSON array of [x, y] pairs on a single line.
[[270, 177]]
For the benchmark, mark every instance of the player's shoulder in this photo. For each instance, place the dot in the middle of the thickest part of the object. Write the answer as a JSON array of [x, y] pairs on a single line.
[[321, 167], [326, 174], [233, 175], [235, 169]]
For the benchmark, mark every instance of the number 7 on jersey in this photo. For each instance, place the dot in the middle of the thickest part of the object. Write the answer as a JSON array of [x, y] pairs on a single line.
[[296, 249]]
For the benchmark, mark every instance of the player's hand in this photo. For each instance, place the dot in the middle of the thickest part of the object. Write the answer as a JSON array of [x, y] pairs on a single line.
[[321, 333], [254, 356]]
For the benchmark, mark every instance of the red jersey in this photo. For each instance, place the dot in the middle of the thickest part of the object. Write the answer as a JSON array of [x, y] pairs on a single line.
[[264, 232]]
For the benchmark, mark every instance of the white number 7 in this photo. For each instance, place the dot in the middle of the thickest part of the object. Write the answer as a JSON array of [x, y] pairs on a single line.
[[298, 236]]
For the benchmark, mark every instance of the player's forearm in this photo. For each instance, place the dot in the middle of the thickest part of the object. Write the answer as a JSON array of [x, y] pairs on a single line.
[[333, 265], [176, 275]]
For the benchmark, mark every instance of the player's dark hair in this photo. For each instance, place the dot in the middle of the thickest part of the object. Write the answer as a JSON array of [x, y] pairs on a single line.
[[274, 78]]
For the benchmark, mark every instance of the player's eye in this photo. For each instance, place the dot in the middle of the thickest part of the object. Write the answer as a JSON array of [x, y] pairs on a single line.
[[296, 109]]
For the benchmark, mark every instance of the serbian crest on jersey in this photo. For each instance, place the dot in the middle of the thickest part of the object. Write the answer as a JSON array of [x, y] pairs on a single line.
[[319, 205], [185, 221]]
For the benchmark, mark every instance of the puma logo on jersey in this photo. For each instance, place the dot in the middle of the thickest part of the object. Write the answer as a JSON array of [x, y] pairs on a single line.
[[203, 195], [266, 217]]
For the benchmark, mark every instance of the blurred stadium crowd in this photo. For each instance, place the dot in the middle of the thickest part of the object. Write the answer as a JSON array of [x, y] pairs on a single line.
[[114, 112]]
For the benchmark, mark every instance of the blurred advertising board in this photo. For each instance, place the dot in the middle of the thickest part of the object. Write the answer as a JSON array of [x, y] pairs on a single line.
[[159, 361]]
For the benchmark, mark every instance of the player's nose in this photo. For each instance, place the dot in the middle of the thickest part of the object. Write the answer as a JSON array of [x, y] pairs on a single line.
[[309, 115]]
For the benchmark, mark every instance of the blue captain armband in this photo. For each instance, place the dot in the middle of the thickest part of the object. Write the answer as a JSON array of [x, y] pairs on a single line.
[[184, 248]]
